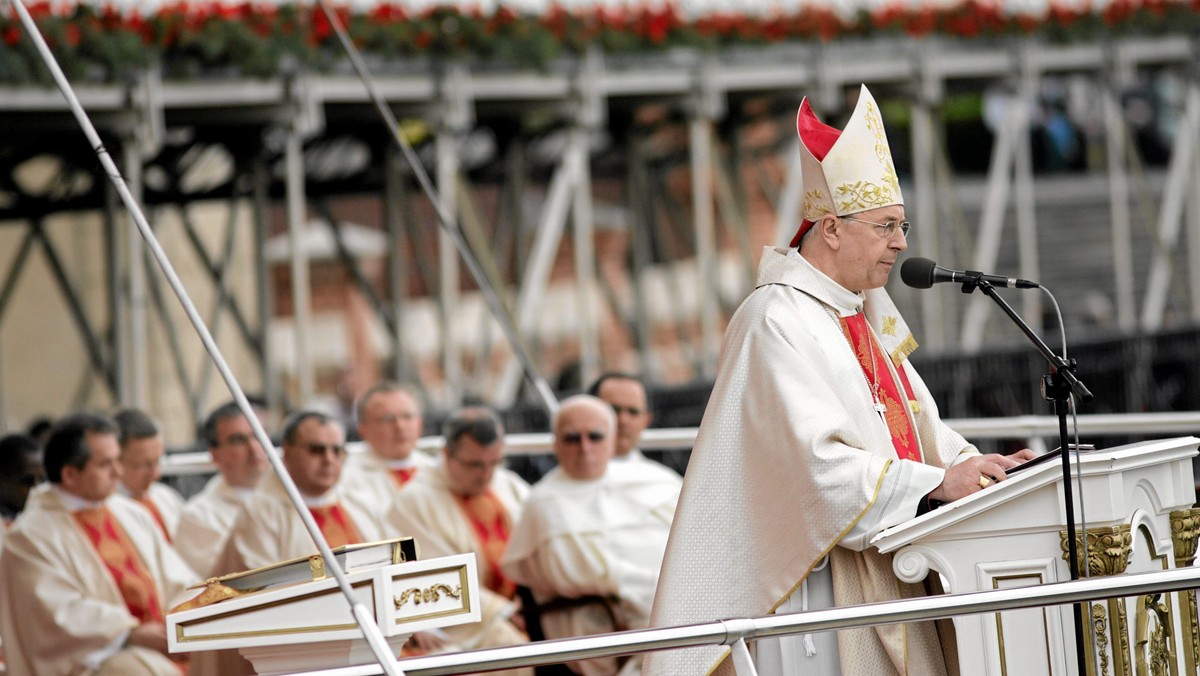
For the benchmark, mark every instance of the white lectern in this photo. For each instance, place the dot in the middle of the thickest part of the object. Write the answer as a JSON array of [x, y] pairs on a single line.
[[1137, 501], [307, 625]]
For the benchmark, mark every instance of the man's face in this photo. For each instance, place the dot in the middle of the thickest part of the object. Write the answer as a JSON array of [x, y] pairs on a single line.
[[238, 455], [391, 424], [141, 463], [314, 459], [583, 442], [14, 490], [472, 465], [864, 259], [98, 478], [628, 400]]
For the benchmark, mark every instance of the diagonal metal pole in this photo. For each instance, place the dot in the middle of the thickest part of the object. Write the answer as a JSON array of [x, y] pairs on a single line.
[[448, 224], [362, 615]]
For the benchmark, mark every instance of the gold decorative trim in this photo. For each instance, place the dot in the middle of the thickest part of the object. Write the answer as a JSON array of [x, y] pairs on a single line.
[[180, 627], [431, 594], [1185, 533], [1108, 548], [1153, 632], [863, 195], [316, 566], [816, 205], [1100, 629], [1121, 628], [463, 588], [1037, 578]]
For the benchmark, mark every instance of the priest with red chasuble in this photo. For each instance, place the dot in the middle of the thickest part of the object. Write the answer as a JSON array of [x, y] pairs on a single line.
[[85, 574], [818, 434], [269, 530], [468, 503]]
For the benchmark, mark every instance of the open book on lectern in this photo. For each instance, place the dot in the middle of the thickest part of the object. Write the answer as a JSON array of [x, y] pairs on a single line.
[[1048, 456], [351, 558]]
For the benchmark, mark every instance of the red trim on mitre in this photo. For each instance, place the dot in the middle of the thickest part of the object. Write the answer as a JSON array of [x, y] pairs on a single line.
[[818, 137]]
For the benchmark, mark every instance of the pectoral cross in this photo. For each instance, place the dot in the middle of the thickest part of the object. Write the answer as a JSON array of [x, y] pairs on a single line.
[[881, 410]]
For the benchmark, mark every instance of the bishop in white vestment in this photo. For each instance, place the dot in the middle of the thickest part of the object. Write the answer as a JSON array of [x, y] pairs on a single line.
[[818, 434]]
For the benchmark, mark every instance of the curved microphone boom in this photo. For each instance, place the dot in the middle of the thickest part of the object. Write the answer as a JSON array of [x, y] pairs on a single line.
[[922, 273]]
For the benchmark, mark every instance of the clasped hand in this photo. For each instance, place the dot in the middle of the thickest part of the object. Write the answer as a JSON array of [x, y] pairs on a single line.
[[964, 478]]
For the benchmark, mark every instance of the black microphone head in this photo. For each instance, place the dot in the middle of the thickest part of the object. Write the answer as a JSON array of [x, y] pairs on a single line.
[[917, 272]]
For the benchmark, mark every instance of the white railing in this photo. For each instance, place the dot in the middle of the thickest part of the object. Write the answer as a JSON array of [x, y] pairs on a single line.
[[1031, 428], [731, 632]]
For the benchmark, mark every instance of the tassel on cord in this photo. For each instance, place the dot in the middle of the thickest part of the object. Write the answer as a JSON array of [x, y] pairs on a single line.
[[810, 648]]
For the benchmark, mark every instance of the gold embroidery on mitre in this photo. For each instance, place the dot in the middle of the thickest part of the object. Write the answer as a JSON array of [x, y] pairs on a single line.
[[816, 205], [889, 326], [882, 151], [863, 195]]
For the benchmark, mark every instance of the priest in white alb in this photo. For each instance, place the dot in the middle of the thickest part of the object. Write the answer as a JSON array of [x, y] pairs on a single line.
[[590, 541], [818, 434], [142, 450], [468, 503], [390, 424], [208, 516], [269, 530], [86, 575]]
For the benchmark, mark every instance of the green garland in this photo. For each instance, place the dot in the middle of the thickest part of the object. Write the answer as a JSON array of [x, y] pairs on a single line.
[[245, 39]]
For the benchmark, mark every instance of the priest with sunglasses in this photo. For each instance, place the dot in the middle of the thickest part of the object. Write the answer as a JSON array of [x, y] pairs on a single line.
[[590, 542], [818, 435]]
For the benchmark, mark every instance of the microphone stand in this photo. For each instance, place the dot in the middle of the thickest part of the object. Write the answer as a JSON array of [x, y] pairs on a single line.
[[1057, 385]]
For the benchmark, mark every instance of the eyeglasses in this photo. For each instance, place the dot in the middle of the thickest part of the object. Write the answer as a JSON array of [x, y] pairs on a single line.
[[477, 465], [321, 449], [577, 437], [886, 230]]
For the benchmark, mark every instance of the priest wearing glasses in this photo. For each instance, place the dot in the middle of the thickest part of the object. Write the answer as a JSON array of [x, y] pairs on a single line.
[[819, 433]]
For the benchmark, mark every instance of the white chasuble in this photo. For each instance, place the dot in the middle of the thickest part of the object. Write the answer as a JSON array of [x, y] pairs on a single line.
[[599, 538], [59, 605], [427, 511], [793, 463]]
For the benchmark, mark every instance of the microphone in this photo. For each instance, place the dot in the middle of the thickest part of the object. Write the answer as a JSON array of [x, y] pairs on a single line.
[[922, 273]]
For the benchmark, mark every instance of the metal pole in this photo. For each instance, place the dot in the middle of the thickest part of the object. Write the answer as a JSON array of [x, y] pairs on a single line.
[[700, 143], [1171, 214], [1118, 204], [448, 288], [924, 209], [728, 632], [297, 216], [585, 257], [361, 615], [135, 362]]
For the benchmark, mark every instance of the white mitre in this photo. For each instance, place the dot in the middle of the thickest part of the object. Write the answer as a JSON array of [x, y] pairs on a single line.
[[846, 171]]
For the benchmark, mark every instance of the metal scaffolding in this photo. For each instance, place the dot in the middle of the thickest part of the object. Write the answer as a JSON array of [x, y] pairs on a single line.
[[689, 240]]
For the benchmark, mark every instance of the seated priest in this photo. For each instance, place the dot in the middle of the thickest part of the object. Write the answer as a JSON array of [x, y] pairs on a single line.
[[592, 535], [269, 530], [468, 503], [209, 516], [86, 574], [142, 450]]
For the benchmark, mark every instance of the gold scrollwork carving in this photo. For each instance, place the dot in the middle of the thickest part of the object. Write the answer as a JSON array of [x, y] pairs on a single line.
[[1185, 532], [316, 566], [1153, 630], [1121, 628], [1100, 627], [1108, 548], [426, 595]]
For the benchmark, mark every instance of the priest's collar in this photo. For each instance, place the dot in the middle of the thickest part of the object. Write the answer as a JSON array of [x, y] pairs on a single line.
[[402, 463], [789, 268], [329, 498], [72, 502]]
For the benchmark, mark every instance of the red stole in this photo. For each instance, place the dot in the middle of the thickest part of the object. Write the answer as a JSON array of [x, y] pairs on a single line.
[[879, 379], [492, 525], [146, 502], [402, 475], [123, 562], [335, 525]]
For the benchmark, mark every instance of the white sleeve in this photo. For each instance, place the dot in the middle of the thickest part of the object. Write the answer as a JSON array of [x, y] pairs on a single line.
[[904, 485]]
